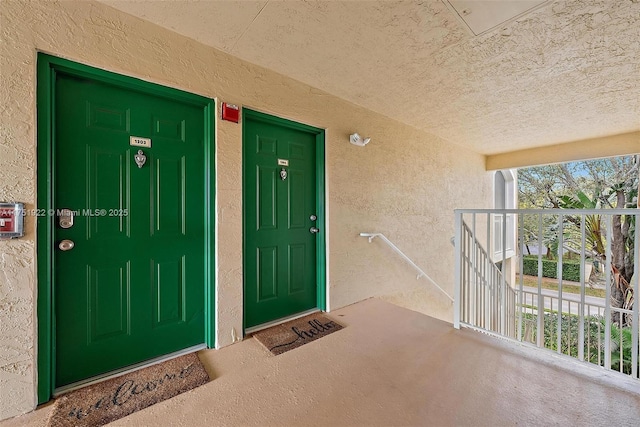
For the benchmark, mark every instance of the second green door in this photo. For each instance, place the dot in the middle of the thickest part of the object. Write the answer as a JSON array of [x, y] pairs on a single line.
[[281, 219]]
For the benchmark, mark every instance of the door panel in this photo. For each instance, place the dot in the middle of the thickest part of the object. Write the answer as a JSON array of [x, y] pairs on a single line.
[[267, 273], [297, 261], [109, 302], [280, 251], [267, 203], [132, 288], [105, 167], [169, 290], [169, 207]]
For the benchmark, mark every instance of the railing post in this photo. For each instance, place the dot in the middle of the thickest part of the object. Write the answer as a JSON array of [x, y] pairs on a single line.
[[474, 267], [503, 285], [607, 296], [540, 303], [458, 268], [521, 269], [560, 273], [490, 306], [583, 284], [636, 301]]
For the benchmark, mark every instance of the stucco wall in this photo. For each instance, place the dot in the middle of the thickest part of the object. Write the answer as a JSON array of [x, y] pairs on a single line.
[[405, 183]]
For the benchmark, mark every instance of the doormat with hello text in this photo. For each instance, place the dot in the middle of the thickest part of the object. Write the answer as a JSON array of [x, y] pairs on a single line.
[[107, 401], [295, 333]]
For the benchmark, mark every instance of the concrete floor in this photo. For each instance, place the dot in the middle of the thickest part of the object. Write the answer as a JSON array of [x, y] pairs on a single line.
[[391, 366]]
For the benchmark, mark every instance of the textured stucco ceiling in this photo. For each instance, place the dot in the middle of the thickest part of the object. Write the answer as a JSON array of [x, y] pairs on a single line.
[[567, 71]]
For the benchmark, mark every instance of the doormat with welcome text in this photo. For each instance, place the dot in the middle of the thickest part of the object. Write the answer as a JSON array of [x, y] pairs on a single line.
[[107, 401], [295, 333]]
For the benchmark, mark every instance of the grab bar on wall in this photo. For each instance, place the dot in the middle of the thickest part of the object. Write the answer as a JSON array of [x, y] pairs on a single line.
[[421, 272]]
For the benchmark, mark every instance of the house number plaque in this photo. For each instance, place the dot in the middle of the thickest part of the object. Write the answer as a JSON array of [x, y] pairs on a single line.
[[137, 141]]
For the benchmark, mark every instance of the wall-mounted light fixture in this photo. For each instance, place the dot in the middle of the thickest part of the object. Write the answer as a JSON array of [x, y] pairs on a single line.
[[356, 139]]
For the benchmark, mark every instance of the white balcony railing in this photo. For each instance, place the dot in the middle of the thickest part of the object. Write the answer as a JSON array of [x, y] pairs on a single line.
[[509, 296]]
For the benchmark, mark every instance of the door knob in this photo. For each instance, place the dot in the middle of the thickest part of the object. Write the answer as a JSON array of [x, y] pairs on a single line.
[[314, 230], [66, 245]]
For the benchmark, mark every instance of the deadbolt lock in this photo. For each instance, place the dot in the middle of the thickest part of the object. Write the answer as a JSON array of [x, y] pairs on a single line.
[[65, 219]]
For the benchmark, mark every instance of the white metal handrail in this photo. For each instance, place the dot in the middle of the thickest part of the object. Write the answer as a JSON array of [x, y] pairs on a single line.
[[421, 272]]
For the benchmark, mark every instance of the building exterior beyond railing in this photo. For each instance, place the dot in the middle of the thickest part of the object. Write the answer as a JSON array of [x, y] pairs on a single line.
[[491, 294]]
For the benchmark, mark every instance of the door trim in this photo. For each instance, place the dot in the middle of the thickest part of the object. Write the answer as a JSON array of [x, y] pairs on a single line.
[[321, 245], [47, 69]]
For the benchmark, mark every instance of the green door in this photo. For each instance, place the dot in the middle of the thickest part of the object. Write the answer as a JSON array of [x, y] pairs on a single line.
[[281, 209], [132, 287]]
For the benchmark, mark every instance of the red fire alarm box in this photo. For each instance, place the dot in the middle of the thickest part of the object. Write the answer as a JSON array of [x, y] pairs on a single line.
[[230, 112], [11, 220]]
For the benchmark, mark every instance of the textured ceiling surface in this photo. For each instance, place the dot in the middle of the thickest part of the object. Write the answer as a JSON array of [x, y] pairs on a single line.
[[567, 71]]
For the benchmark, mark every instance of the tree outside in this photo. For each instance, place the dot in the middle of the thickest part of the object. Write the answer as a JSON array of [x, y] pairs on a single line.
[[595, 184]]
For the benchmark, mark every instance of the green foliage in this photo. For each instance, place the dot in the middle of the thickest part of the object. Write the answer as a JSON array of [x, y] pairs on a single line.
[[621, 346], [570, 269], [593, 349], [592, 184], [582, 201], [593, 223], [594, 338], [597, 180]]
